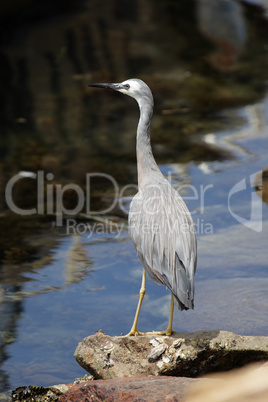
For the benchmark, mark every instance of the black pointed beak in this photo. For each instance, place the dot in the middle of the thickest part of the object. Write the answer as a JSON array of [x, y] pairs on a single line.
[[117, 87]]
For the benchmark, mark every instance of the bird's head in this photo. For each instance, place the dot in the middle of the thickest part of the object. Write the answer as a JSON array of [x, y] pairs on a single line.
[[133, 87]]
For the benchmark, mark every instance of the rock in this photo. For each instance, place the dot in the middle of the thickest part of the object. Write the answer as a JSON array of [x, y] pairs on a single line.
[[243, 385], [182, 354], [246, 384], [149, 388], [37, 393], [42, 394]]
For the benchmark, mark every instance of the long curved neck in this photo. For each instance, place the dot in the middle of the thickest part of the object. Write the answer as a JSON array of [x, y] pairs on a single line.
[[146, 163]]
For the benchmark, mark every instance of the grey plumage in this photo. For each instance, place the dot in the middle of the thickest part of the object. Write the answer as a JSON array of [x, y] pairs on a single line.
[[160, 223], [161, 231]]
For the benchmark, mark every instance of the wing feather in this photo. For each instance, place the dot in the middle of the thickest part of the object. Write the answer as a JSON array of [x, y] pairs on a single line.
[[163, 232]]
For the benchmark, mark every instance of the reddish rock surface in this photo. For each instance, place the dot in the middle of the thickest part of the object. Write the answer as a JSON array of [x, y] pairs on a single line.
[[246, 384], [149, 388]]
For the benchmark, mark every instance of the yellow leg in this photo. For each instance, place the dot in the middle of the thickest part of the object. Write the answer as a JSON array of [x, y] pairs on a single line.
[[169, 329], [134, 330]]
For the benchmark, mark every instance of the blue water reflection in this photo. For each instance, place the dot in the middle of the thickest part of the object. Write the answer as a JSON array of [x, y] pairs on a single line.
[[93, 279]]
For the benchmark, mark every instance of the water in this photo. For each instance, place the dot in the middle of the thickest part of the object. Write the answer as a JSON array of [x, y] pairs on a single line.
[[98, 288], [60, 284]]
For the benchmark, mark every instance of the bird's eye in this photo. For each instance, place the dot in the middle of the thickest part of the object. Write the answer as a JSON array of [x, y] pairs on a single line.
[[127, 86]]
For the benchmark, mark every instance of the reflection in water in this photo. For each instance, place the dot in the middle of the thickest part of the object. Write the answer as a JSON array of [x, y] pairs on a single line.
[[23, 98], [224, 24], [77, 262], [50, 122], [9, 312], [232, 140]]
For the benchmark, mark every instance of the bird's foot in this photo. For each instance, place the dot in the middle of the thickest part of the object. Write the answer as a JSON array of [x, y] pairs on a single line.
[[167, 332], [134, 332]]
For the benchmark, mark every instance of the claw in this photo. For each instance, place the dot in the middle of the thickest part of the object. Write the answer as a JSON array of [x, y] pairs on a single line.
[[167, 332], [135, 333]]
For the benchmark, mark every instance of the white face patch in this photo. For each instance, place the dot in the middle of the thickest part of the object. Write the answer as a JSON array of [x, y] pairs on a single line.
[[137, 89], [134, 89], [134, 85]]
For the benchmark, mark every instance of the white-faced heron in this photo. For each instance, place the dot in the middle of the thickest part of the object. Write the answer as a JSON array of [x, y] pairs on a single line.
[[160, 223]]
